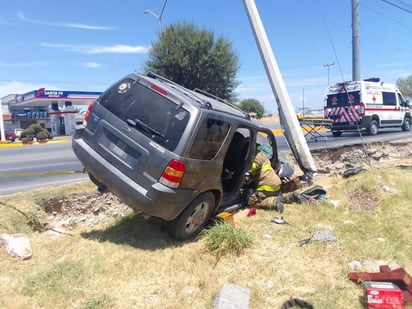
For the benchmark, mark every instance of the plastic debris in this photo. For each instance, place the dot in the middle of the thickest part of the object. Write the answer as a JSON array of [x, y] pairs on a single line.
[[17, 245]]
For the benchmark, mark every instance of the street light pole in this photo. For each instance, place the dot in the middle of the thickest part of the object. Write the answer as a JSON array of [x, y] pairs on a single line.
[[2, 131], [328, 65], [158, 17]]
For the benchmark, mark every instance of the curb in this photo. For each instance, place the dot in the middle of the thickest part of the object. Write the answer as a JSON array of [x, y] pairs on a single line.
[[20, 144]]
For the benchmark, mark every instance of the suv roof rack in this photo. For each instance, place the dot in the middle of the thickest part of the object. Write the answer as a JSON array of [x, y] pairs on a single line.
[[208, 105], [178, 87], [207, 94]]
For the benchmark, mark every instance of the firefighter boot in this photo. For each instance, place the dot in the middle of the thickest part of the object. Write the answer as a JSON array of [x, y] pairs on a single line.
[[272, 202], [279, 203], [294, 197], [299, 198]]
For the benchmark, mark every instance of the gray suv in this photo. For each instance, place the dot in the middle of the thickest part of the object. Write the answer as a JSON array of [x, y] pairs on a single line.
[[169, 152]]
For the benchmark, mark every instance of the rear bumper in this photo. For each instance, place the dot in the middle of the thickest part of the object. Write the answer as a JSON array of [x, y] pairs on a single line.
[[352, 126], [158, 201]]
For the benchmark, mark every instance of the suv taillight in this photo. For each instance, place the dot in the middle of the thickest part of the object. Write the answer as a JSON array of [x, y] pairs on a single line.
[[87, 115], [173, 174]]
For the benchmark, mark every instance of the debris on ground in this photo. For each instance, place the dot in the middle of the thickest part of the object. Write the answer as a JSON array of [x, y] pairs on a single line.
[[325, 235], [17, 245], [232, 296]]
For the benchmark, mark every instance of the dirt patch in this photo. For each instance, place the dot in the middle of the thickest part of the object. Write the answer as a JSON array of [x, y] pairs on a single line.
[[84, 209], [89, 209], [362, 201], [335, 161]]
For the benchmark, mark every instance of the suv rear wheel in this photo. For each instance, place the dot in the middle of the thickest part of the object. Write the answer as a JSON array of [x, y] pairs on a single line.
[[189, 223]]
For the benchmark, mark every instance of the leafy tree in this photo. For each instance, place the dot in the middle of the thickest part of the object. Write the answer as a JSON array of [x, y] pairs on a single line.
[[195, 59], [405, 86], [252, 106]]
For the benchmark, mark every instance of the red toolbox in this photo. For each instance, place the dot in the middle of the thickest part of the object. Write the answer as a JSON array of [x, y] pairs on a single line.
[[383, 295]]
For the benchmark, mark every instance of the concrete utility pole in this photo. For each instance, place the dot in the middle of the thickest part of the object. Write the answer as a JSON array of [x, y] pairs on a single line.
[[288, 119], [355, 40]]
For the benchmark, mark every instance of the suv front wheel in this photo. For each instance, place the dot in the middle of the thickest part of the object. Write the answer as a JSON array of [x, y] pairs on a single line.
[[189, 223]]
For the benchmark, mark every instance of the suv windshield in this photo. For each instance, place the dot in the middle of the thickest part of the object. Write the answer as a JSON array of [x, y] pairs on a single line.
[[147, 111]]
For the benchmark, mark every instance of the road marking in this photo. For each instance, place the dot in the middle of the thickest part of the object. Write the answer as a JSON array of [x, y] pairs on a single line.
[[41, 174]]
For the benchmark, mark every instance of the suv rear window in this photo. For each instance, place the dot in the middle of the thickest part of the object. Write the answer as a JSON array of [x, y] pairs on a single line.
[[148, 111]]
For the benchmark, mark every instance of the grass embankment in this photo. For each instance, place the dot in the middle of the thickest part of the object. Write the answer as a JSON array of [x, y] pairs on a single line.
[[132, 263]]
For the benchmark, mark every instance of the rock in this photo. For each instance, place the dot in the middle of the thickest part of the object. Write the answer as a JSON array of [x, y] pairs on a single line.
[[232, 296], [355, 266], [17, 245]]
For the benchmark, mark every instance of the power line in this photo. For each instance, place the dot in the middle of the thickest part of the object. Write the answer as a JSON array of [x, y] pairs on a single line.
[[397, 6], [390, 17]]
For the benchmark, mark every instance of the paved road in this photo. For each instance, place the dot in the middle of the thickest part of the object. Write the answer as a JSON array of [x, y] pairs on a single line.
[[24, 168], [27, 167]]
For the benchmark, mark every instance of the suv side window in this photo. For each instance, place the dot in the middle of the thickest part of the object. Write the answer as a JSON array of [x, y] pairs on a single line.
[[209, 139]]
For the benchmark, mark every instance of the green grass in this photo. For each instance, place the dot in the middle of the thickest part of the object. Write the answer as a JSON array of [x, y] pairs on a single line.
[[223, 239], [132, 262]]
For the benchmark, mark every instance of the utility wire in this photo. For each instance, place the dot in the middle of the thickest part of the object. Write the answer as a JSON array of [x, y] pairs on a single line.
[[365, 151], [391, 18], [397, 6]]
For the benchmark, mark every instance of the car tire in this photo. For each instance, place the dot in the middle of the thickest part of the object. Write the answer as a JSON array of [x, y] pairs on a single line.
[[191, 221], [406, 126], [373, 128], [337, 133]]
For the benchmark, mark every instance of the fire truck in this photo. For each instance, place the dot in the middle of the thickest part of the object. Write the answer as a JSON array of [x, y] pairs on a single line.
[[366, 105]]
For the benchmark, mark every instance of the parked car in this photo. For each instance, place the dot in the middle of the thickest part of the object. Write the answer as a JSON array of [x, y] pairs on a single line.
[[10, 136], [169, 152], [18, 131]]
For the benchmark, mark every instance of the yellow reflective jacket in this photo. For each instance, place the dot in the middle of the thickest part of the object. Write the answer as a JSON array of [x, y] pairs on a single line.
[[266, 176]]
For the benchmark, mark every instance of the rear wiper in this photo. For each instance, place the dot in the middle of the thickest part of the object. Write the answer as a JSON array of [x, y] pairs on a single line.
[[144, 126]]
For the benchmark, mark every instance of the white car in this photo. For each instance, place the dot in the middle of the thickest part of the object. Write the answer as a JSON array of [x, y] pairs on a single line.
[[18, 131]]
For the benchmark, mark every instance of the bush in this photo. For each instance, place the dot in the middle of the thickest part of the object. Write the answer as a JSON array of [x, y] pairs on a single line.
[[27, 139], [223, 238], [27, 133], [41, 136], [33, 131]]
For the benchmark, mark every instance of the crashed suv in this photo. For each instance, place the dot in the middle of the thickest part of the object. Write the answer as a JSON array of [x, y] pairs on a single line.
[[169, 152]]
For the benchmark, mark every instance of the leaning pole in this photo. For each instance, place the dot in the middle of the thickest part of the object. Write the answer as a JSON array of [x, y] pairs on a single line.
[[290, 124]]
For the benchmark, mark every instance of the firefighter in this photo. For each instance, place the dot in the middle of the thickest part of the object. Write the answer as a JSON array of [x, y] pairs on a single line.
[[266, 184]]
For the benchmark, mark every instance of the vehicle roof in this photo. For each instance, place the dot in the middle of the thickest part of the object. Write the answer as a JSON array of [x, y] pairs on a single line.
[[197, 97]]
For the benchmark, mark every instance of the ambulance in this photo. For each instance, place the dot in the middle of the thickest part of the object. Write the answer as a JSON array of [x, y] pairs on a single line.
[[366, 105]]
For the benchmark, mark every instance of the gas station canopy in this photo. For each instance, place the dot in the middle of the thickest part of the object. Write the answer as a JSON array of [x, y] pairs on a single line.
[[45, 97]]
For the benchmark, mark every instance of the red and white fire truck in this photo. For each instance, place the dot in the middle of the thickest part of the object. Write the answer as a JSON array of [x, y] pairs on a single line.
[[366, 105]]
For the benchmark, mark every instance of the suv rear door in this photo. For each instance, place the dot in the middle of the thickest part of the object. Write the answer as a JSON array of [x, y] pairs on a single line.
[[127, 128]]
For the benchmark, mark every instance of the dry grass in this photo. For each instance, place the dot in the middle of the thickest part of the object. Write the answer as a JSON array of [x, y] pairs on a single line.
[[132, 263]]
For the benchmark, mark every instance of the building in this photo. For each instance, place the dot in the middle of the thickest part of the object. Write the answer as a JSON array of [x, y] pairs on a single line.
[[54, 110]]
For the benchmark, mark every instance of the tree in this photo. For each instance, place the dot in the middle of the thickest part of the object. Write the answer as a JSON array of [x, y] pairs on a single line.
[[252, 106], [194, 59], [405, 86]]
